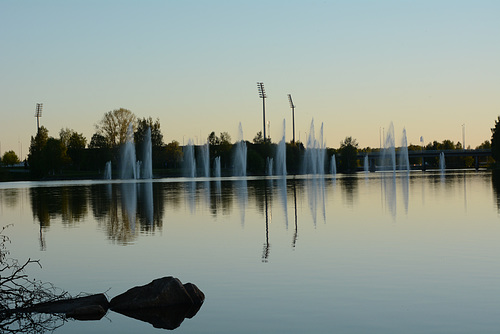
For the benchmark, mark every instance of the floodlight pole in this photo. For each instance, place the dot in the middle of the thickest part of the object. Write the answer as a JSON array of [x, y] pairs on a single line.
[[293, 116], [38, 114], [262, 95]]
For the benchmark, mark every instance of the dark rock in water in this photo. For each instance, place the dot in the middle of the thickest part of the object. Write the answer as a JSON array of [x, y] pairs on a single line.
[[94, 303], [169, 317], [91, 312], [196, 295], [160, 293]]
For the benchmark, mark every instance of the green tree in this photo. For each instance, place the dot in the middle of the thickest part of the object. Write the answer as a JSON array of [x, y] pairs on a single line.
[[64, 135], [142, 127], [495, 140], [10, 158], [36, 159], [76, 148], [484, 145], [98, 141], [258, 139], [212, 139], [173, 154], [348, 154], [114, 126], [55, 154]]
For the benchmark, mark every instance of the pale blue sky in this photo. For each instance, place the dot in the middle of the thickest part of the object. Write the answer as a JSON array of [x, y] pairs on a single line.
[[428, 66]]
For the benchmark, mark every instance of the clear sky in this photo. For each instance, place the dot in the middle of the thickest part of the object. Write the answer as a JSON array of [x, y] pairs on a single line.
[[355, 66]]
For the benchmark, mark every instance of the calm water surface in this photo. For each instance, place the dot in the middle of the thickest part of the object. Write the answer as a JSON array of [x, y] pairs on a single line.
[[354, 254]]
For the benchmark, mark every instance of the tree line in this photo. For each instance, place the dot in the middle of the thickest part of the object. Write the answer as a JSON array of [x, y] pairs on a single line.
[[71, 153]]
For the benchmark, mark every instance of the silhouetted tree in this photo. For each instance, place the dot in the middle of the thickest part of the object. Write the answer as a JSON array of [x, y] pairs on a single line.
[[36, 159], [348, 154], [495, 140], [76, 148], [98, 141], [258, 139], [173, 154]]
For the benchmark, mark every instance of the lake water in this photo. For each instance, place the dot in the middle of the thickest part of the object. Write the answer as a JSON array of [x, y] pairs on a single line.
[[369, 253]]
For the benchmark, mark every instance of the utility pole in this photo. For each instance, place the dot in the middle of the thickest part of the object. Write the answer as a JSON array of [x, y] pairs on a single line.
[[293, 116], [263, 96], [38, 114]]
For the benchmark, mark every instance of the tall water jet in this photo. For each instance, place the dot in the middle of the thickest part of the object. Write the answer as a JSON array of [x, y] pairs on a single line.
[[269, 166], [204, 157], [127, 156], [147, 156], [404, 160], [281, 155], [138, 168], [189, 163], [240, 155], [217, 167], [333, 165], [366, 164], [314, 158], [107, 171], [321, 152], [442, 162], [389, 152]]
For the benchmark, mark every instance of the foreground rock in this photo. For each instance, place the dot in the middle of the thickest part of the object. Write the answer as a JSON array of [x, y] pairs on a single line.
[[92, 307], [164, 303]]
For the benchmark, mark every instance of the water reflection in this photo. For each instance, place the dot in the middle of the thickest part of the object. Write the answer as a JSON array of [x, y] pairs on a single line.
[[495, 181], [124, 210], [349, 186], [241, 190]]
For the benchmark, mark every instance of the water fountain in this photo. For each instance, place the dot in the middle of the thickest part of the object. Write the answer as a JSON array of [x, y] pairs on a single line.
[[404, 160], [333, 166], [281, 155], [189, 163], [147, 156], [314, 158], [204, 156], [138, 168], [269, 166], [442, 162], [240, 155], [217, 167], [127, 156], [130, 168], [107, 171], [366, 164], [389, 152]]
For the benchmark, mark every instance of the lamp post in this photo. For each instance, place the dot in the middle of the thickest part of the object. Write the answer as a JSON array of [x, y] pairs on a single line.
[[293, 116], [38, 114], [263, 96]]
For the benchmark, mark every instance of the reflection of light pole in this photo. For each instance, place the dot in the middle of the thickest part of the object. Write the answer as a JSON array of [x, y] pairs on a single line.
[[38, 114], [262, 95], [293, 116]]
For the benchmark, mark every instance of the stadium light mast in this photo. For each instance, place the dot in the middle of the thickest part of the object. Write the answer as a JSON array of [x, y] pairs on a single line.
[[263, 96], [293, 116], [38, 114]]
